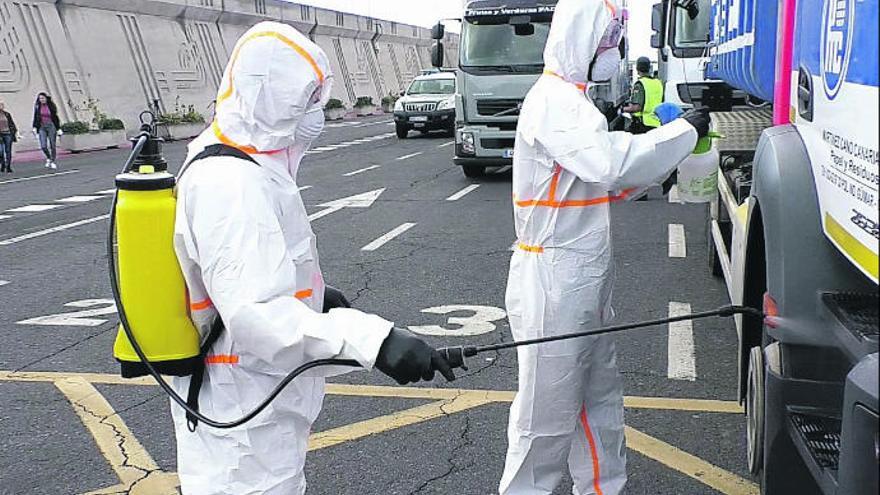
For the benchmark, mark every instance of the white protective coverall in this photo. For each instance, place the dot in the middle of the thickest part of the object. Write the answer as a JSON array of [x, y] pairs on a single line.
[[247, 251], [567, 170]]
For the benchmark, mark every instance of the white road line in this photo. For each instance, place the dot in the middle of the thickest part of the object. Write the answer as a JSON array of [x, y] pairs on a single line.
[[107, 191], [322, 149], [33, 208], [411, 155], [450, 143], [323, 213], [4, 282], [503, 169], [22, 179], [304, 188], [674, 197], [462, 193], [362, 170], [681, 364], [5, 216], [79, 199], [59, 228], [677, 246], [387, 237]]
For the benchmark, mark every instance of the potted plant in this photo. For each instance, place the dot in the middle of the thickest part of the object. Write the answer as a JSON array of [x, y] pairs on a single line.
[[182, 123], [388, 102], [334, 110], [364, 106], [100, 132]]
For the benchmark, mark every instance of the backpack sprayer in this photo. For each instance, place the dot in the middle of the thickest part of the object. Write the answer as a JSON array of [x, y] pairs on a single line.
[[156, 335]]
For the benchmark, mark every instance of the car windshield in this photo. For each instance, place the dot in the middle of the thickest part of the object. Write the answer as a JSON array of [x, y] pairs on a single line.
[[432, 87], [693, 33], [498, 45]]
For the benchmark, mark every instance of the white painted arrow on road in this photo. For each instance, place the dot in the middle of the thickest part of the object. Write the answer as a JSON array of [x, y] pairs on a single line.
[[363, 200]]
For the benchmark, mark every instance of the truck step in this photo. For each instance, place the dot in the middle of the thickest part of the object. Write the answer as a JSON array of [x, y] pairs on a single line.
[[857, 320], [821, 436]]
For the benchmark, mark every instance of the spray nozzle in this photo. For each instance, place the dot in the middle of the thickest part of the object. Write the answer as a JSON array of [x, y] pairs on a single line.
[[150, 156], [455, 356]]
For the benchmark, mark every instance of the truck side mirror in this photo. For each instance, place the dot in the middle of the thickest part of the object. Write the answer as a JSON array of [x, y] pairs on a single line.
[[438, 31], [655, 40], [657, 17], [437, 54]]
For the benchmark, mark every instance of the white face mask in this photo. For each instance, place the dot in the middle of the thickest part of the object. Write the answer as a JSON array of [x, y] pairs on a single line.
[[605, 66], [310, 127]]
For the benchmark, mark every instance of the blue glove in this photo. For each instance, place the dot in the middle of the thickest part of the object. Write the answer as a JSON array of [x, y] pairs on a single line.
[[667, 112]]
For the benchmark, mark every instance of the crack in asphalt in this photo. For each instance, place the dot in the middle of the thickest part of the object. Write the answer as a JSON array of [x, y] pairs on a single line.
[[463, 442], [65, 348], [120, 444]]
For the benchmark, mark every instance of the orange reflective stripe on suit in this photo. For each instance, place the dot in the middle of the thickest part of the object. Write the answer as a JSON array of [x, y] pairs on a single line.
[[552, 202], [233, 358], [593, 454]]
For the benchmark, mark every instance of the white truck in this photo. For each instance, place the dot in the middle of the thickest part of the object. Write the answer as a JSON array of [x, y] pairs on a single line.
[[794, 230]]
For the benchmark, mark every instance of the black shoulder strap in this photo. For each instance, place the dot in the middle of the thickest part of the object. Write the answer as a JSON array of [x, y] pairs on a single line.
[[198, 376], [223, 150]]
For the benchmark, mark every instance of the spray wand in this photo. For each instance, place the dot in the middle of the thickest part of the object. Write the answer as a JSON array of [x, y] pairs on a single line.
[[456, 356]]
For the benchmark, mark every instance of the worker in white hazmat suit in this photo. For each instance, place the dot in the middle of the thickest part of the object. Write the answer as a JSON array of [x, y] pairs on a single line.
[[568, 411], [248, 254]]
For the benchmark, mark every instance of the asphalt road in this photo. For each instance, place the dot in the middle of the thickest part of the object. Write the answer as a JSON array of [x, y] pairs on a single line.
[[69, 425]]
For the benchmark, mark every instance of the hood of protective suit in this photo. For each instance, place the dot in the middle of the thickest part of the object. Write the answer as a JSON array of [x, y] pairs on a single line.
[[274, 77], [575, 36]]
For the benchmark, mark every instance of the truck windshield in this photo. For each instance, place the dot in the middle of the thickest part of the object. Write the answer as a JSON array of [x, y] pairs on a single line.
[[693, 33], [497, 47], [432, 87]]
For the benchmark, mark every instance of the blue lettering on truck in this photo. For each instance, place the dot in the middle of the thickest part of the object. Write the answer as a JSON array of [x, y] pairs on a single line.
[[836, 47]]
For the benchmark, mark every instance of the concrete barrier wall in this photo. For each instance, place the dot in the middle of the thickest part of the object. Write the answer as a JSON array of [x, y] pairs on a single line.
[[131, 54]]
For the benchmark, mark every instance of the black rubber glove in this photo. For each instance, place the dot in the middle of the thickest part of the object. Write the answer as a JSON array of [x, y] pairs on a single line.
[[334, 298], [700, 119], [408, 359]]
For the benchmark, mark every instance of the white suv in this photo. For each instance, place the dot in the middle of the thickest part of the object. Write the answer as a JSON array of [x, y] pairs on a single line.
[[427, 105]]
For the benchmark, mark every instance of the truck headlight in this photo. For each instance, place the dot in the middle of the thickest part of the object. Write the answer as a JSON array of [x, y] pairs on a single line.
[[467, 143], [398, 106], [446, 104]]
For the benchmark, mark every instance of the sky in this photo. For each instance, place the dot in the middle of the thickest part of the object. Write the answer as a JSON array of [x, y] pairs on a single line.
[[427, 12]]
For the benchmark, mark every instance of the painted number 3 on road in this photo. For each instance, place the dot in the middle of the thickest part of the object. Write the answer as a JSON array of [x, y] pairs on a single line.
[[479, 322]]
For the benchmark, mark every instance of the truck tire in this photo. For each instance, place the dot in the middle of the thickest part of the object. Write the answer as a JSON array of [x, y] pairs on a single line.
[[755, 411], [402, 131], [474, 171]]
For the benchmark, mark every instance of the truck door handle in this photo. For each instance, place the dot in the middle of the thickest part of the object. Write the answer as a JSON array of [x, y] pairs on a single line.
[[805, 94]]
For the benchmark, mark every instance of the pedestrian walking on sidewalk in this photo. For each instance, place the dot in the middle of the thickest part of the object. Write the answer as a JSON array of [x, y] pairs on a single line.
[[8, 135], [47, 127]]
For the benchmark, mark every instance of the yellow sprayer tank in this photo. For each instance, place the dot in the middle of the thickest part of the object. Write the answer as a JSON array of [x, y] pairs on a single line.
[[150, 281]]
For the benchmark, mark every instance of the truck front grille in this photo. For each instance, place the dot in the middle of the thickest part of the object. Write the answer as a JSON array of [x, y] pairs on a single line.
[[420, 107], [490, 108], [497, 143]]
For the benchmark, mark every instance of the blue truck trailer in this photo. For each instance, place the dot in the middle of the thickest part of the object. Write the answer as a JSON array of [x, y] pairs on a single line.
[[794, 231]]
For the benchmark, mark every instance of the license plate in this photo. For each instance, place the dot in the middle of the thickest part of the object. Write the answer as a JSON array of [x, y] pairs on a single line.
[[418, 125], [419, 118], [508, 153]]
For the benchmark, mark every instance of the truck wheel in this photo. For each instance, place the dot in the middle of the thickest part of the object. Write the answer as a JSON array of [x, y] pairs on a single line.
[[473, 171], [402, 131], [714, 259], [755, 411]]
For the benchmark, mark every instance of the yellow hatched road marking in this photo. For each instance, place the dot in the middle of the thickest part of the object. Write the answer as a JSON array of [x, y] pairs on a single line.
[[396, 420], [140, 475], [698, 469]]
